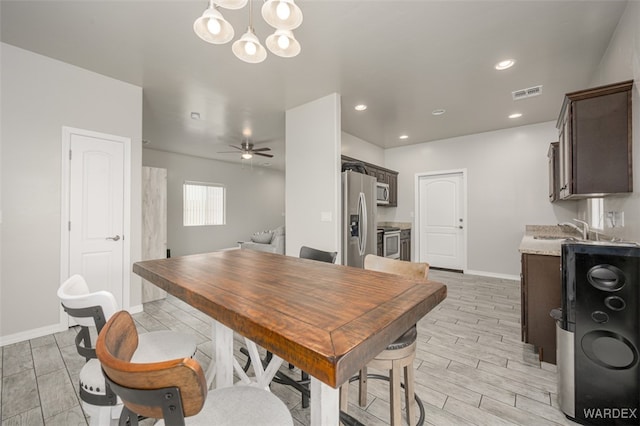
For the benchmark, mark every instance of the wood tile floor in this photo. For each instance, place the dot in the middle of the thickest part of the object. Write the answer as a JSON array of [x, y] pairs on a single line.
[[471, 367]]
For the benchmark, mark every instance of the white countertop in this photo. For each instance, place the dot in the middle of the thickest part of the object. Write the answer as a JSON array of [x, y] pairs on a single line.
[[544, 239], [547, 247]]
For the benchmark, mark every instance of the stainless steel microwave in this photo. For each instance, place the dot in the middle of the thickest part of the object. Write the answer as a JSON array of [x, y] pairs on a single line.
[[382, 193]]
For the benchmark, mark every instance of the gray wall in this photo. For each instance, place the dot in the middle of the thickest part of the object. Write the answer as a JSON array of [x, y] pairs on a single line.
[[354, 147], [313, 175], [255, 201], [621, 62], [507, 188], [39, 96]]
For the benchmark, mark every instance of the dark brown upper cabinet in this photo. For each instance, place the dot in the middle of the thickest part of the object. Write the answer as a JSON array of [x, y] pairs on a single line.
[[595, 142], [383, 175], [554, 171]]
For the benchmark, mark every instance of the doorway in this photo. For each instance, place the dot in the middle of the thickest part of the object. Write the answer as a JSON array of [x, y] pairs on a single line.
[[96, 211], [441, 219]]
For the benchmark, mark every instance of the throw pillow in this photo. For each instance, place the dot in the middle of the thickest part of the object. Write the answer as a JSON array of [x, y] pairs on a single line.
[[263, 237]]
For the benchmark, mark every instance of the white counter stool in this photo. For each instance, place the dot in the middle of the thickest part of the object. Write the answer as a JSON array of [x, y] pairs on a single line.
[[176, 391], [398, 357], [93, 310]]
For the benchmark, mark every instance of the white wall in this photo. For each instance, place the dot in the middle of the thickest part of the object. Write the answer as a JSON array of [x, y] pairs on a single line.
[[362, 150], [254, 196], [507, 176], [313, 184], [621, 62], [39, 95]]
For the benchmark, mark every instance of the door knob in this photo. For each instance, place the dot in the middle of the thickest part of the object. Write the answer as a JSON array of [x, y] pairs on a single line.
[[116, 238]]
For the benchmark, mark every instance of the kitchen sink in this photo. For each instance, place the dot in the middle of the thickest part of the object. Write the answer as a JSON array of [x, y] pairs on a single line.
[[554, 237]]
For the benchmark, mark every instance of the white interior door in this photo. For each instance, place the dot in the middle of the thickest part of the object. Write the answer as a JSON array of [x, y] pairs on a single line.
[[441, 220], [97, 210]]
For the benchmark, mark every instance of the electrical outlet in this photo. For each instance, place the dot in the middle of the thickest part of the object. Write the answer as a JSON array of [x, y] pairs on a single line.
[[326, 217], [615, 219]]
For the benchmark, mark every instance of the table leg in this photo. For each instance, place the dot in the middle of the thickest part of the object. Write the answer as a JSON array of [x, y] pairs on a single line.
[[210, 374], [325, 404], [262, 376], [223, 355]]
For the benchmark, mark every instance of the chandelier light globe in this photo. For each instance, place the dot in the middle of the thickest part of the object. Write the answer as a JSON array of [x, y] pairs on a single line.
[[283, 11], [212, 27], [282, 14], [232, 4], [283, 44], [248, 48]]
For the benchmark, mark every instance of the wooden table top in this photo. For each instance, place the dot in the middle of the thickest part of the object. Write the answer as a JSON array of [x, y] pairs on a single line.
[[328, 320]]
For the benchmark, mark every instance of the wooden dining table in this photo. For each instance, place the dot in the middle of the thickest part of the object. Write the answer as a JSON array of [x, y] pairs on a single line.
[[328, 320]]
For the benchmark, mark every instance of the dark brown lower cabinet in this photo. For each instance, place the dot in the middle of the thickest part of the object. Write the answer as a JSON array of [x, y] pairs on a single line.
[[541, 289], [405, 245], [380, 243]]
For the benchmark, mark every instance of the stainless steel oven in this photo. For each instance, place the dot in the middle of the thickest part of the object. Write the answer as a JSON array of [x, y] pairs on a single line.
[[391, 243]]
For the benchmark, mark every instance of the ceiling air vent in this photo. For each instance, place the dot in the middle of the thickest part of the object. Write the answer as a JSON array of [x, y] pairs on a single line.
[[526, 93]]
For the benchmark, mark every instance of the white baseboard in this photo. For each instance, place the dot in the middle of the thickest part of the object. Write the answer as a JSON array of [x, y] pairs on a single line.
[[44, 331], [135, 309], [31, 334], [493, 275]]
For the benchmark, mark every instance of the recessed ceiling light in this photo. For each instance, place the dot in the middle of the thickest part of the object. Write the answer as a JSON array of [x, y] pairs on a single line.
[[266, 164], [195, 116], [515, 115], [438, 111], [360, 107], [506, 64], [403, 137]]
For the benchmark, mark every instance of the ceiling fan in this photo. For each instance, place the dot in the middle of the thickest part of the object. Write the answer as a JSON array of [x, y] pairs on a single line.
[[247, 150]]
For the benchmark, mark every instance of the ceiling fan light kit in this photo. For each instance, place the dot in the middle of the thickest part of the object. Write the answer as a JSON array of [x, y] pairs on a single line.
[[247, 151], [283, 15]]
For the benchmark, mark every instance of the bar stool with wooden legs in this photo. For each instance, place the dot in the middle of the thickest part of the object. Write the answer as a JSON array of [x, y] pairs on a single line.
[[398, 356], [176, 391]]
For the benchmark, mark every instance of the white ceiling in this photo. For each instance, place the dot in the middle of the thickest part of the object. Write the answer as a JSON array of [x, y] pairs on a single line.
[[402, 58]]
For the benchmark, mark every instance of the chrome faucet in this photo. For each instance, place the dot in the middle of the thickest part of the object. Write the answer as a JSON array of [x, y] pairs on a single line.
[[584, 230]]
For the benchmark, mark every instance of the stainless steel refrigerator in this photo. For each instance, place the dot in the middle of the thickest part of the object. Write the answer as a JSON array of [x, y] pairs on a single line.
[[358, 217]]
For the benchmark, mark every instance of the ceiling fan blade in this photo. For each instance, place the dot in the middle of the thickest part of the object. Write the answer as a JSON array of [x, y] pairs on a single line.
[[227, 152], [237, 147], [263, 155], [261, 149]]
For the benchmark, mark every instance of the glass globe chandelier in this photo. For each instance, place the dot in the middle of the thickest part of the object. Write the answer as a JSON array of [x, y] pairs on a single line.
[[283, 15]]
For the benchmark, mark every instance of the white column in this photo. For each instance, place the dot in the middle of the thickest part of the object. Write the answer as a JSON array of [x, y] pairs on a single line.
[[223, 355], [325, 404]]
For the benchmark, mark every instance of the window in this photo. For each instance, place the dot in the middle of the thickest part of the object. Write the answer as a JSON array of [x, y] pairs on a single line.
[[203, 204], [596, 212]]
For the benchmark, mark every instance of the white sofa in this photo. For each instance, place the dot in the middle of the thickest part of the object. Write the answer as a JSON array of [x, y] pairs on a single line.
[[260, 241]]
